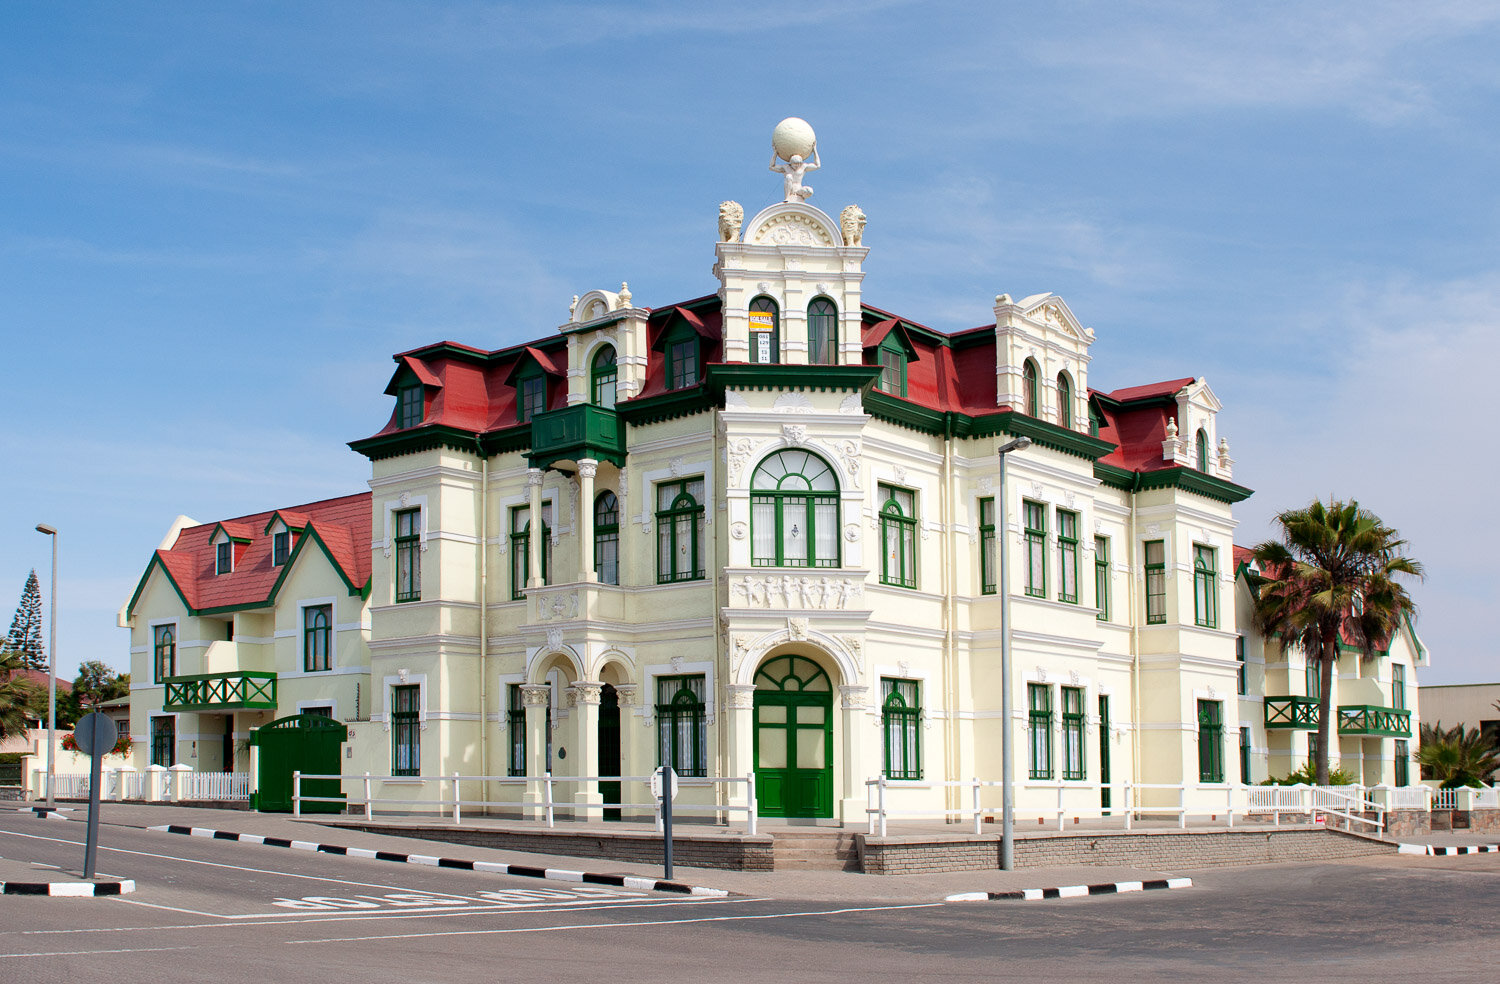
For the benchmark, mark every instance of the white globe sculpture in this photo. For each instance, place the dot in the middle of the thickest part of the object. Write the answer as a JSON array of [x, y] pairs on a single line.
[[793, 137]]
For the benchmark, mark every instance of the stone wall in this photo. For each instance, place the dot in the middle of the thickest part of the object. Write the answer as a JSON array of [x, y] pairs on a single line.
[[1485, 821], [1143, 849]]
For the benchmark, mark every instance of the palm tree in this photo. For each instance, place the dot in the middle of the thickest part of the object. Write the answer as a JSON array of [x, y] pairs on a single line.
[[1457, 756], [16, 696], [1332, 576]]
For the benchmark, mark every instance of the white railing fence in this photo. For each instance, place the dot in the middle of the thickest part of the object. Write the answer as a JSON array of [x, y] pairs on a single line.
[[539, 799], [1444, 799], [225, 786]]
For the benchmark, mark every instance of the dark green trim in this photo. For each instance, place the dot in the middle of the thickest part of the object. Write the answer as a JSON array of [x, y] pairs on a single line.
[[428, 437], [584, 430], [241, 690], [949, 423], [1368, 719], [1293, 713], [665, 406], [311, 535], [726, 376], [1178, 477]]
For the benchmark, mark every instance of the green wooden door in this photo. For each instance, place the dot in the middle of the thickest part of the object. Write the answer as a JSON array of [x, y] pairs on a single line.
[[793, 739], [306, 743]]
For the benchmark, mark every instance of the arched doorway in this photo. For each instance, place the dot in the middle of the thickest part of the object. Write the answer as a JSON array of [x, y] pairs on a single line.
[[793, 738], [609, 748]]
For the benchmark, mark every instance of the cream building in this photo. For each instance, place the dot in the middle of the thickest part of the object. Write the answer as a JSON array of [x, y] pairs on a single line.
[[756, 532]]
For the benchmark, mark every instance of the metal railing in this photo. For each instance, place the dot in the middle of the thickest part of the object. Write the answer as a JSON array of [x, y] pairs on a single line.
[[542, 803]]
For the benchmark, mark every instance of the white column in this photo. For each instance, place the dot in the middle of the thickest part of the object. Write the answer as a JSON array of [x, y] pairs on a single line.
[[852, 803], [632, 763], [585, 748], [534, 541], [535, 699], [587, 469], [739, 736]]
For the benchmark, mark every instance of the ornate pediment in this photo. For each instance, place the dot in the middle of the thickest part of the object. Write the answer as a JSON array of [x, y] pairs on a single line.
[[793, 224]]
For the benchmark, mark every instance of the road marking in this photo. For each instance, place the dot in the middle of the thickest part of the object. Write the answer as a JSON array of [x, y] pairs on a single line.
[[97, 953], [621, 925]]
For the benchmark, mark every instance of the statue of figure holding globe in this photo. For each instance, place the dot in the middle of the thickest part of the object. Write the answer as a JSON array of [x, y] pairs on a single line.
[[794, 152]]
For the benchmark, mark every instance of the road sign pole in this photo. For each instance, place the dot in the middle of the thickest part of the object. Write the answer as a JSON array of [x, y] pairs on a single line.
[[668, 781], [96, 735]]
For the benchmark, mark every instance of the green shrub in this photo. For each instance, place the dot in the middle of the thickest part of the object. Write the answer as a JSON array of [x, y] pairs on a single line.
[[1308, 776]]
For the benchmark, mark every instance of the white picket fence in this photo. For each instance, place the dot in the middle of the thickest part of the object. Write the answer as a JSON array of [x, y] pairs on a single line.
[[116, 784], [215, 786]]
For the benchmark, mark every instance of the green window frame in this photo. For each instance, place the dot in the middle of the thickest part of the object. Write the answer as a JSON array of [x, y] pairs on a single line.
[[281, 548], [164, 740], [1101, 578], [410, 406], [317, 635], [1067, 556], [1242, 684], [1205, 587], [604, 378], [1312, 678], [901, 727], [988, 582], [682, 352], [1210, 741], [765, 346], [408, 555], [224, 557], [1039, 731], [520, 549], [1156, 581], [898, 537], [1244, 756], [892, 359], [1035, 526], [679, 531], [1064, 400], [515, 730], [822, 332], [1029, 395], [406, 732], [1398, 686], [163, 652], [1202, 449], [794, 511], [607, 537], [1072, 733], [1402, 771], [1312, 748], [681, 732], [531, 396], [1095, 422]]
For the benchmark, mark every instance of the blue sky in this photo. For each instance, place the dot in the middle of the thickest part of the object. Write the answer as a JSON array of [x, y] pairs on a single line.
[[217, 222]]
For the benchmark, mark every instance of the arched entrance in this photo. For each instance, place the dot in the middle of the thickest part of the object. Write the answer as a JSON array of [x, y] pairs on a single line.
[[609, 748], [793, 738]]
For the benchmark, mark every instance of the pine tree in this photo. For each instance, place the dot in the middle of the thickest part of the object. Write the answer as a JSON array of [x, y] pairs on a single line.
[[26, 628]]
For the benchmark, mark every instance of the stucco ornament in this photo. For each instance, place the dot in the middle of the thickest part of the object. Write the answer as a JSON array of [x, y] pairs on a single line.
[[623, 301], [794, 152], [852, 225], [731, 217]]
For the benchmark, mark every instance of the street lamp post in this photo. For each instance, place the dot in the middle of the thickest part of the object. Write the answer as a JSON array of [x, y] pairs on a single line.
[[1007, 758], [52, 671]]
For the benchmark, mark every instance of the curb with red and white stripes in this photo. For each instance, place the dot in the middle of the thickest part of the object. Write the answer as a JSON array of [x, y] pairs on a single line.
[[1072, 891], [495, 867]]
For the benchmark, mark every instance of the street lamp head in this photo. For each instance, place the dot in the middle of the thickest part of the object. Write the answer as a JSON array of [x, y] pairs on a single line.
[[1019, 444], [44, 528]]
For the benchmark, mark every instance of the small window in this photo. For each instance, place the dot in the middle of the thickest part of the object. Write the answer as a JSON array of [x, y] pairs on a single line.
[[679, 531], [281, 547], [1072, 733], [406, 734], [1313, 678], [164, 741], [605, 376], [1156, 582], [1402, 772], [822, 332], [1029, 395], [1101, 577], [515, 725], [409, 406], [1398, 686], [607, 537], [1202, 450], [531, 397], [520, 549], [987, 577], [1064, 400], [898, 537], [1244, 756], [224, 557], [164, 653], [681, 716], [892, 366], [1210, 741], [317, 632], [408, 555], [682, 369], [1039, 730], [765, 331], [1205, 587], [1239, 655], [901, 727], [1067, 556], [1036, 548]]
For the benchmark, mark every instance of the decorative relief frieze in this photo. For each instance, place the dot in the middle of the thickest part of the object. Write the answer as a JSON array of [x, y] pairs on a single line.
[[793, 402], [535, 696], [851, 532], [826, 591], [738, 452], [554, 639], [557, 606], [740, 696], [739, 530], [853, 403], [853, 697], [795, 434], [796, 629]]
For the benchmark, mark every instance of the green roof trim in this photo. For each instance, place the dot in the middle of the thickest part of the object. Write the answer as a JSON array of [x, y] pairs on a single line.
[[905, 413], [1178, 477], [423, 437], [723, 376], [311, 535], [665, 406]]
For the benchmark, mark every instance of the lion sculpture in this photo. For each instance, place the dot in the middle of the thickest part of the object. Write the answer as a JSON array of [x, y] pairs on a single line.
[[852, 225], [731, 217]]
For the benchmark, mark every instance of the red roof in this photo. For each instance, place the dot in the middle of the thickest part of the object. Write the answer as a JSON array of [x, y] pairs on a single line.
[[341, 525], [39, 678]]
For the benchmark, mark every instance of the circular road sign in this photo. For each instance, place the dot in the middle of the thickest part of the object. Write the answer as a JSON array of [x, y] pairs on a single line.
[[656, 782], [96, 734]]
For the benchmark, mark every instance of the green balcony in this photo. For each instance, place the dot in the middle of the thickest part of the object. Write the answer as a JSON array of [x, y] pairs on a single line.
[[1367, 719], [247, 690], [581, 431], [1292, 713]]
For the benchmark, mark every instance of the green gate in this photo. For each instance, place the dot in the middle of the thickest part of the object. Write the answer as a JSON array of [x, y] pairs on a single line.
[[793, 739], [306, 743]]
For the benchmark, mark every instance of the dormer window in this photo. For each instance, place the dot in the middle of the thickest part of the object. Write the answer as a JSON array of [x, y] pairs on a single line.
[[605, 378], [765, 331], [1029, 389], [682, 357], [409, 406], [1064, 400], [281, 547], [531, 397], [892, 366], [822, 332], [223, 557], [1202, 450]]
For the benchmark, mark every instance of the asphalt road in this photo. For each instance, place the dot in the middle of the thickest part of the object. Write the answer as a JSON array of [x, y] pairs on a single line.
[[209, 910]]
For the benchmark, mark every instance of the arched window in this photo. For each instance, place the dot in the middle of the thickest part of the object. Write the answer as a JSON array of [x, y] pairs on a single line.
[[520, 548], [679, 530], [1064, 400], [603, 377], [898, 537], [765, 330], [794, 512], [315, 637], [607, 537], [1202, 450], [1028, 388], [822, 332]]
